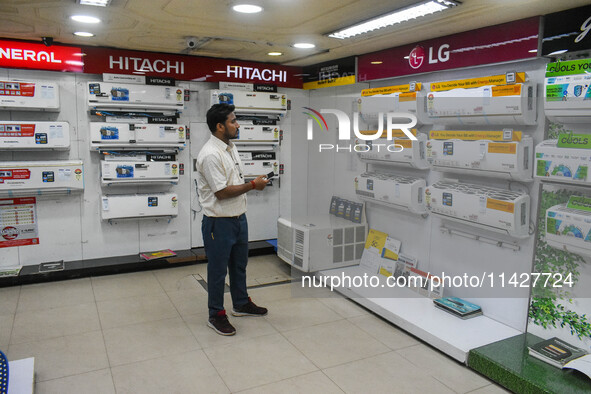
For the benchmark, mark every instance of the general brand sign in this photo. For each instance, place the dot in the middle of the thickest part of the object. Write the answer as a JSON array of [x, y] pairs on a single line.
[[20, 54]]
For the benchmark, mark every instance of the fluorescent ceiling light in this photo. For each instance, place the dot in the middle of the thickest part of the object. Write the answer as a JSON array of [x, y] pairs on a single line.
[[247, 8], [533, 51], [275, 53], [85, 19], [560, 52], [304, 45], [99, 3], [398, 16], [376, 62], [83, 34]]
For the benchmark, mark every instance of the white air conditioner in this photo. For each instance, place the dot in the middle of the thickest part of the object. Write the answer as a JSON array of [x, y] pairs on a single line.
[[568, 98], [124, 172], [260, 134], [315, 243], [508, 160], [259, 163], [29, 178], [499, 210], [506, 104], [570, 165], [30, 135], [251, 102], [139, 135], [384, 151], [26, 96], [135, 206], [369, 107], [569, 229], [130, 96], [401, 192]]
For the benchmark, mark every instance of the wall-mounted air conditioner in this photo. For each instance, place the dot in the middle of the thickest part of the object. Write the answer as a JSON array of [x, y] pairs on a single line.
[[569, 229], [20, 178], [499, 210], [27, 96], [251, 102], [369, 107], [508, 160], [401, 192], [259, 163], [260, 134], [397, 152], [124, 172], [505, 104], [139, 135], [315, 243], [28, 135], [130, 96], [568, 98], [135, 206], [570, 165]]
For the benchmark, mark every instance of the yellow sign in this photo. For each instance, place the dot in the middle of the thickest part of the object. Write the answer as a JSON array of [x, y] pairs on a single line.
[[325, 83], [508, 90], [473, 135], [376, 239], [404, 143], [395, 133], [475, 82], [499, 205], [502, 147], [391, 89]]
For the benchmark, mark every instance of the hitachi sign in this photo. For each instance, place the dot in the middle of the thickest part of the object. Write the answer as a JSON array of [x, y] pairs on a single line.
[[145, 65], [27, 54], [254, 73]]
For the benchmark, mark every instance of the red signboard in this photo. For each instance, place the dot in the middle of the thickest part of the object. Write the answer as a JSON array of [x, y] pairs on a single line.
[[494, 44], [18, 222], [19, 54]]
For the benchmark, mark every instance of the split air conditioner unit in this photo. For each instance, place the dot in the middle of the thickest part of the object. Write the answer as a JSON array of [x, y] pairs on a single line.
[[486, 105], [569, 229], [569, 165], [28, 135], [134, 136], [499, 210], [384, 151], [316, 243], [136, 206], [134, 97], [369, 107], [259, 163], [401, 192], [29, 178], [568, 98], [125, 172], [508, 160], [260, 134], [29, 96], [251, 102]]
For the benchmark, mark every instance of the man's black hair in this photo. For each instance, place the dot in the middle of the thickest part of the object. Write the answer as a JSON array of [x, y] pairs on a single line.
[[218, 113]]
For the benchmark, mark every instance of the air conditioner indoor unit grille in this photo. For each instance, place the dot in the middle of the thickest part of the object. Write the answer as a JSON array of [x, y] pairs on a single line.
[[401, 192], [33, 135], [29, 95], [389, 152], [132, 96], [251, 102], [133, 136]]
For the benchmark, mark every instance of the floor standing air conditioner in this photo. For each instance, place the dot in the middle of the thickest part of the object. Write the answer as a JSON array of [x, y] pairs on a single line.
[[131, 96], [31, 95], [251, 102], [125, 172], [401, 192], [30, 178], [570, 165], [136, 206], [499, 210], [396, 152], [315, 243], [133, 136], [568, 98], [569, 229], [30, 135]]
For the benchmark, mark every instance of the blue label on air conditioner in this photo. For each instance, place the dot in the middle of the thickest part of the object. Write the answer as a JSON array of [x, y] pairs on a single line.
[[109, 133], [124, 171], [447, 199], [120, 94], [152, 201], [41, 138], [48, 176]]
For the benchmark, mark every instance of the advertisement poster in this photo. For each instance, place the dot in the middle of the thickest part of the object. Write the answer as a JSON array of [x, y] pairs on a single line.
[[18, 222]]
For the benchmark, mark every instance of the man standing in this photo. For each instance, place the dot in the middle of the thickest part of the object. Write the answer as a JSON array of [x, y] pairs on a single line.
[[222, 194]]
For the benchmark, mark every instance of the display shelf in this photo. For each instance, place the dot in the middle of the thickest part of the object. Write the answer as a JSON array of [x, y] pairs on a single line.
[[417, 315]]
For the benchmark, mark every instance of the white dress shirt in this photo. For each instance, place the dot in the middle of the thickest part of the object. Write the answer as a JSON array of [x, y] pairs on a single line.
[[218, 166]]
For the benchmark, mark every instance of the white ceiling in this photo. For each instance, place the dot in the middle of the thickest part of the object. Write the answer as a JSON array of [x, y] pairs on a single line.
[[163, 25]]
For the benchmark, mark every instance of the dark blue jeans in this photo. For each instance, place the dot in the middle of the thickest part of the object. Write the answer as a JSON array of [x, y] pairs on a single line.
[[226, 247]]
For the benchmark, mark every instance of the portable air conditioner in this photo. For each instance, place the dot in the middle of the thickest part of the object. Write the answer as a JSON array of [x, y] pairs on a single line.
[[402, 192], [29, 178], [369, 107], [124, 172], [569, 229], [498, 210], [396, 152], [130, 96], [27, 96], [258, 163], [251, 102], [568, 98], [508, 160], [34, 135], [258, 134], [315, 243], [570, 165], [506, 104], [135, 206], [133, 136]]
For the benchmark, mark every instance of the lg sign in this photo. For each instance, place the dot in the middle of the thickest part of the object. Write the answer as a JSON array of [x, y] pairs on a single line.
[[417, 56]]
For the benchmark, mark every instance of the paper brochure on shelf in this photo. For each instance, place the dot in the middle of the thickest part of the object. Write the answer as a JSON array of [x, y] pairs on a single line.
[[391, 248]]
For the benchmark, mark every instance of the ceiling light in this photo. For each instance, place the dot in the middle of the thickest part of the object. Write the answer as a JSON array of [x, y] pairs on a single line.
[[560, 52], [219, 71], [376, 62], [85, 19], [247, 8], [533, 51], [275, 53], [303, 45], [99, 3], [398, 16], [83, 34]]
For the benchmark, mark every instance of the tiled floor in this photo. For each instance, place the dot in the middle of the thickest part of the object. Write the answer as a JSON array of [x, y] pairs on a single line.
[[146, 332]]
